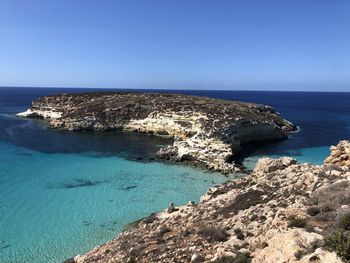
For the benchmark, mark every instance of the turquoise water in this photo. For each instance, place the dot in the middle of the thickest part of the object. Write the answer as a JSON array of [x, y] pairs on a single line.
[[314, 155], [54, 206], [62, 193]]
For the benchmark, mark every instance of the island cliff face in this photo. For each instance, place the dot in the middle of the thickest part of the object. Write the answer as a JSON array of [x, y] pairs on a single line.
[[205, 130], [282, 212]]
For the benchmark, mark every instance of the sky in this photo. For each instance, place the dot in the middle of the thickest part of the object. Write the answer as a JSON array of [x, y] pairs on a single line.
[[180, 44]]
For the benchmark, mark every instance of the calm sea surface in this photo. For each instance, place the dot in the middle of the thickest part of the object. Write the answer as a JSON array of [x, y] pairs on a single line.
[[62, 193]]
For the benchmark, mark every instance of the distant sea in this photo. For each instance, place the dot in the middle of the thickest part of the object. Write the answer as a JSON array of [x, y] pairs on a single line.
[[62, 193]]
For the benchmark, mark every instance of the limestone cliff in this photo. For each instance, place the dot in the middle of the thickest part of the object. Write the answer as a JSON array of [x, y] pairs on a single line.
[[205, 130], [282, 212]]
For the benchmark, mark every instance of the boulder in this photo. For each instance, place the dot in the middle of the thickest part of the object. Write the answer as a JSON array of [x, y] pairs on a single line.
[[268, 165]]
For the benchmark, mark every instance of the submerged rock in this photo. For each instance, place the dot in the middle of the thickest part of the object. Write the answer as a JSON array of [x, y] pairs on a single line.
[[205, 130]]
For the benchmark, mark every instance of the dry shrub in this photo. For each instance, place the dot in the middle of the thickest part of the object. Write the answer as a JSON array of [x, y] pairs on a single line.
[[213, 233], [332, 196], [240, 258], [239, 233], [313, 211], [299, 222]]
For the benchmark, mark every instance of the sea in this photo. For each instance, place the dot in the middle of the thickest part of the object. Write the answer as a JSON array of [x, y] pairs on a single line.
[[63, 193]]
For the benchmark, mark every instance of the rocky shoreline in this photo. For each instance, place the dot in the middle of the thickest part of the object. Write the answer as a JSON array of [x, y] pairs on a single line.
[[206, 131], [282, 212]]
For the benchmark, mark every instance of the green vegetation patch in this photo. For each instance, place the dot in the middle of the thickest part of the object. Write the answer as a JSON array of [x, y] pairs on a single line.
[[299, 222]]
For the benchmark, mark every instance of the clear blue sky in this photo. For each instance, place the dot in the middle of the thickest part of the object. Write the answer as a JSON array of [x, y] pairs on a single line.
[[233, 44]]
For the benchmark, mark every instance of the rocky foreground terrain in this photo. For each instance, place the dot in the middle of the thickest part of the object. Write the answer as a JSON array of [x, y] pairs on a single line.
[[282, 212], [205, 130]]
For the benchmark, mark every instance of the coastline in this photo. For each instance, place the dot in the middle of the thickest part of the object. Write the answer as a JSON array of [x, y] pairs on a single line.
[[206, 131], [275, 214], [304, 127]]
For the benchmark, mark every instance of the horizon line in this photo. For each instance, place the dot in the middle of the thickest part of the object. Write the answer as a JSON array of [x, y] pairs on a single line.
[[175, 89]]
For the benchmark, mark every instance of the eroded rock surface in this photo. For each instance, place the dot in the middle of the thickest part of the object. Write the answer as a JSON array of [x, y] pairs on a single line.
[[205, 130], [282, 212], [340, 155]]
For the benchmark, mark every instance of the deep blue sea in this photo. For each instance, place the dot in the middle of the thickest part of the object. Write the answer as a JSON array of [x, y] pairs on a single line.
[[62, 193]]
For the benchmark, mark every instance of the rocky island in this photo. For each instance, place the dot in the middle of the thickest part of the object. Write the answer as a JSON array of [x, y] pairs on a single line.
[[206, 131], [282, 212]]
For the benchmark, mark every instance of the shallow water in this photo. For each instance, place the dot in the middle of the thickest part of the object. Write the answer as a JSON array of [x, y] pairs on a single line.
[[57, 205], [62, 193], [314, 155]]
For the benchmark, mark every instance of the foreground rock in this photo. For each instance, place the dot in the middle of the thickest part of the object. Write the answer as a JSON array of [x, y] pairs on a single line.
[[340, 155], [205, 130], [282, 212]]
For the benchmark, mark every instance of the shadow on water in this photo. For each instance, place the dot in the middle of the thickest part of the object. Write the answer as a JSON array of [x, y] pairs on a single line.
[[86, 222], [128, 187], [322, 123], [77, 183], [265, 148], [82, 183], [3, 245], [34, 135]]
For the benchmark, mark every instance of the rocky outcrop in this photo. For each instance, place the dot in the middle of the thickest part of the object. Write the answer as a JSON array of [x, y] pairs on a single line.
[[205, 130], [340, 155], [282, 212]]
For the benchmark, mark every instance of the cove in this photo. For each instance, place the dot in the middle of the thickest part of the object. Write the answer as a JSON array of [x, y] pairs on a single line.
[[57, 205]]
